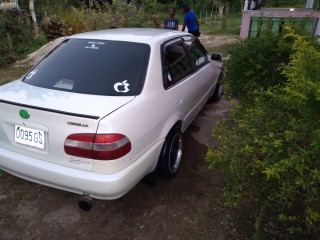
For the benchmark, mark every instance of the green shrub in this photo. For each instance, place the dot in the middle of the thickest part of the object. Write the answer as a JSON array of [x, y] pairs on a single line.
[[75, 18], [155, 7], [96, 16], [124, 14], [16, 38], [56, 27], [256, 64], [269, 150]]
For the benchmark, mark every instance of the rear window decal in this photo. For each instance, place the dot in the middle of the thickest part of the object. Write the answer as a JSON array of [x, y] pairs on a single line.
[[30, 75], [94, 45], [122, 86]]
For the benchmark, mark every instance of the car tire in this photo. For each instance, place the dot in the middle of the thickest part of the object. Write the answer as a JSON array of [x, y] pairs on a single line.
[[171, 154], [218, 92]]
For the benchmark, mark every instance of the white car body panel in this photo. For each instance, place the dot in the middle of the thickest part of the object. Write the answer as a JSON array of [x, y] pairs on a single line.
[[101, 186], [91, 105], [66, 111], [145, 119]]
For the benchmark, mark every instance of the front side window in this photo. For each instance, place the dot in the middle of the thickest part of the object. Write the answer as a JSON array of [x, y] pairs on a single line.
[[197, 52], [110, 68]]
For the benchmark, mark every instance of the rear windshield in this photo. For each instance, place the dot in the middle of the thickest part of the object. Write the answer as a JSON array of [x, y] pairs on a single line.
[[110, 68]]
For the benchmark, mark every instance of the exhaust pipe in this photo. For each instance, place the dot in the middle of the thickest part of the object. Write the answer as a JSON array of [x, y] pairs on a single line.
[[85, 203]]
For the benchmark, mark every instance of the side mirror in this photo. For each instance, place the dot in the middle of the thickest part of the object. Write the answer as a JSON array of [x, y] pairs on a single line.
[[216, 56]]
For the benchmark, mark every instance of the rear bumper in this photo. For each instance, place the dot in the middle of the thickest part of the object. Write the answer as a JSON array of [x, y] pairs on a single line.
[[78, 181]]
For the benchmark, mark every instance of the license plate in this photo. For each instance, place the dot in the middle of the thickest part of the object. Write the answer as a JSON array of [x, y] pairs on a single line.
[[29, 136]]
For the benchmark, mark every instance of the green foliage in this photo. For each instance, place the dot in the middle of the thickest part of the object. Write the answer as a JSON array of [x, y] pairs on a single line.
[[56, 27], [123, 14], [284, 3], [75, 19], [16, 39], [94, 17], [155, 7], [269, 149], [51, 7], [256, 64], [97, 16]]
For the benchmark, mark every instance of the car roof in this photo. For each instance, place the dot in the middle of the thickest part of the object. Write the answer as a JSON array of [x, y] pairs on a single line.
[[141, 35]]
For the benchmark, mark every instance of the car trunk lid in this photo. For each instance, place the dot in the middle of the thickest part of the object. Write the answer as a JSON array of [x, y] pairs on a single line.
[[50, 116]]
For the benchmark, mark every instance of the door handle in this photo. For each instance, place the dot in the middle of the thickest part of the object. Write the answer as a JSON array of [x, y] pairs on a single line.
[[178, 102]]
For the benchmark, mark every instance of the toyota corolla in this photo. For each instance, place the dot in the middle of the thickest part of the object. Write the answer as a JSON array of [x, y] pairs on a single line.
[[105, 109]]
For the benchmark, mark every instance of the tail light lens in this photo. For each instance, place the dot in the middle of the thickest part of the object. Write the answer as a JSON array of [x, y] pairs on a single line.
[[97, 146]]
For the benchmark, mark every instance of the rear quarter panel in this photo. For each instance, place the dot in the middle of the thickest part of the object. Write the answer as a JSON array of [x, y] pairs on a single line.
[[146, 120]]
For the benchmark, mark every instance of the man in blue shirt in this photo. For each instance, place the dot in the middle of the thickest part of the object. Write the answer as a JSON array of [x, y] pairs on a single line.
[[191, 21]]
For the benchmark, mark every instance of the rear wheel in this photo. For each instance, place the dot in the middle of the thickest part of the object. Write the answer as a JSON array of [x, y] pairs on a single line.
[[171, 154]]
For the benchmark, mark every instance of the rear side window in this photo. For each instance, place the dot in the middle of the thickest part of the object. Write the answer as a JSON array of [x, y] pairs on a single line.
[[176, 64], [110, 68]]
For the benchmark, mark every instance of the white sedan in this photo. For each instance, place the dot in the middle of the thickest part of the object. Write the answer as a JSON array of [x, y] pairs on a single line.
[[105, 109]]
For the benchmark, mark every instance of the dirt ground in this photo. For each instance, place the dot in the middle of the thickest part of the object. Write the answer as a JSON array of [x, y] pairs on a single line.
[[189, 206]]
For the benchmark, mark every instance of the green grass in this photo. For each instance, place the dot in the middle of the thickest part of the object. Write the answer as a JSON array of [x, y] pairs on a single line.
[[286, 4], [232, 26], [8, 74]]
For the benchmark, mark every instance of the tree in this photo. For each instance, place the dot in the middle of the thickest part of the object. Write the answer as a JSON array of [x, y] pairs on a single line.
[[34, 19]]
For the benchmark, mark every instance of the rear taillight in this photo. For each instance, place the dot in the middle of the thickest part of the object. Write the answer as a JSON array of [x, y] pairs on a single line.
[[97, 146]]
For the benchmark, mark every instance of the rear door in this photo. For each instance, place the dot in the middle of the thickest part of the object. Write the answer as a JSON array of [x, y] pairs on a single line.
[[184, 87]]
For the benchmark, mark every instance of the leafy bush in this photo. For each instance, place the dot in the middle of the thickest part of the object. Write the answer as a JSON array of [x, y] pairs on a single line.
[[124, 14], [101, 16], [95, 16], [269, 150], [256, 64], [156, 20], [155, 7], [56, 27], [16, 39], [75, 19]]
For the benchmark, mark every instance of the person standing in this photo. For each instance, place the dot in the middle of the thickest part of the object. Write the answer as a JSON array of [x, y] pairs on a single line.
[[191, 21], [171, 22], [255, 4]]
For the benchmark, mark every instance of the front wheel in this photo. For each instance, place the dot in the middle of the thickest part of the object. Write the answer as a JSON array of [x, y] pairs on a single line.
[[217, 94], [171, 154]]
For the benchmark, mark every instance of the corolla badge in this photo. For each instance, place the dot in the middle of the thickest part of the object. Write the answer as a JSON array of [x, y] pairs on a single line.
[[122, 86]]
